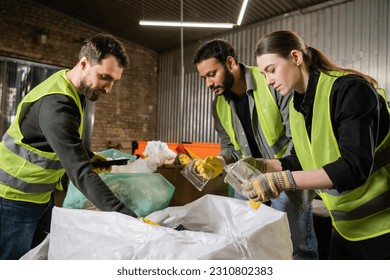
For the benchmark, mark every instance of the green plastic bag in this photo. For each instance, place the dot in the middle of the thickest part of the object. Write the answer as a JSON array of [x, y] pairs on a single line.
[[143, 193], [116, 154]]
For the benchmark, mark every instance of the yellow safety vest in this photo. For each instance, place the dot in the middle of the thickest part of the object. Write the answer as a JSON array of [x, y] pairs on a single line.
[[26, 173], [358, 214], [267, 111]]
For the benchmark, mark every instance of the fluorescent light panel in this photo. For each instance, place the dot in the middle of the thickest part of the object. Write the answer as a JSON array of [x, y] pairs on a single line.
[[186, 24], [197, 24], [242, 12]]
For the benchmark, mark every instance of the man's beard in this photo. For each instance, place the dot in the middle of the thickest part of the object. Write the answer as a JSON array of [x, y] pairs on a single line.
[[228, 80], [227, 83], [88, 92]]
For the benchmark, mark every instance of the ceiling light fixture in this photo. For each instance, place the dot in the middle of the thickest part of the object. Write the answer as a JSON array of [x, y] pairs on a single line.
[[197, 24], [186, 24], [242, 12]]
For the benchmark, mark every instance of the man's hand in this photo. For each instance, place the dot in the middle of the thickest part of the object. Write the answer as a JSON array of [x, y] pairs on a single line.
[[269, 185], [98, 170], [209, 165]]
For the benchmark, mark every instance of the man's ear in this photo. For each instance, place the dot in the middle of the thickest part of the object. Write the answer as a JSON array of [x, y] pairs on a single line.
[[230, 62], [83, 62]]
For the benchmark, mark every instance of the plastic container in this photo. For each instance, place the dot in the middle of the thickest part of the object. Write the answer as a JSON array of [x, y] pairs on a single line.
[[240, 172], [191, 174]]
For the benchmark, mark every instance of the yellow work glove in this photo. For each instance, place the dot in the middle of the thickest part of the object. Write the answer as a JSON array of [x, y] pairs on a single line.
[[267, 186], [257, 163], [254, 204], [210, 167], [149, 222], [98, 170]]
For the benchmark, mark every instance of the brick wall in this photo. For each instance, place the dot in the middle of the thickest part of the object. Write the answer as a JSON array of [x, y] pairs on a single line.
[[129, 113]]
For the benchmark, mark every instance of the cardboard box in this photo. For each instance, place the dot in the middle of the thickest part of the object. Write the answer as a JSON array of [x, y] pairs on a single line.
[[185, 192]]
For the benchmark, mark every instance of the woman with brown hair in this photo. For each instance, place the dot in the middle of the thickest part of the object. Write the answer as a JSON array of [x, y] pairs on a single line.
[[340, 130]]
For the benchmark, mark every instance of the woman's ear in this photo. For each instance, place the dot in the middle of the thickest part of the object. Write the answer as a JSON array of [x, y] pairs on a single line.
[[297, 57]]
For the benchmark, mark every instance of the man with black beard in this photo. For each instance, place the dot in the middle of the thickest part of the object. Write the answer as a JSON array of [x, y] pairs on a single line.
[[251, 120], [43, 145]]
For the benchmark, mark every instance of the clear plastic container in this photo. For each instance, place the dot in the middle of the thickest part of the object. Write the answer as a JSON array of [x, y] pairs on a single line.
[[240, 172], [191, 174]]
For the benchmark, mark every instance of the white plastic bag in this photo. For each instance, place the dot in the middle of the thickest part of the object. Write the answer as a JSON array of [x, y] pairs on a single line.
[[40, 252], [218, 228], [157, 152]]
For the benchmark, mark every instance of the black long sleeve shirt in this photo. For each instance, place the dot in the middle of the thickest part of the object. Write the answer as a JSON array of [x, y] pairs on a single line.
[[51, 124], [360, 122]]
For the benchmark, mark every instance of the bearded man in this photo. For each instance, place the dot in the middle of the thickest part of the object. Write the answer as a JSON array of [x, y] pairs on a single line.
[[43, 146]]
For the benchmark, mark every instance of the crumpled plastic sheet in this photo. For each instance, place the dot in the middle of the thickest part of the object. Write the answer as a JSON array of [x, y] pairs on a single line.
[[218, 227], [40, 252]]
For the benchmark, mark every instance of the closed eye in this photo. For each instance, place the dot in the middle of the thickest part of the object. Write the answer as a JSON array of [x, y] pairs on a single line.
[[269, 69], [211, 74], [106, 77]]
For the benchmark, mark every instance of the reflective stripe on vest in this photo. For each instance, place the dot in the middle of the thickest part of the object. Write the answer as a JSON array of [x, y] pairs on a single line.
[[26, 169], [268, 114], [358, 214], [29, 156]]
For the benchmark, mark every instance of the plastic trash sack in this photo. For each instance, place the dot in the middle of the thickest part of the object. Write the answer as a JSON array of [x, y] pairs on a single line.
[[40, 252], [218, 228], [157, 152], [116, 154], [140, 192]]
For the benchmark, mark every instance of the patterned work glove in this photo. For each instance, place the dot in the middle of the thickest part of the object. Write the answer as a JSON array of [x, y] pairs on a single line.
[[209, 165], [269, 185], [98, 170]]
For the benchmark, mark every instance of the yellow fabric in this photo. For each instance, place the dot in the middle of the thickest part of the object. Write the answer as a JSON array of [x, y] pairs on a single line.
[[323, 149]]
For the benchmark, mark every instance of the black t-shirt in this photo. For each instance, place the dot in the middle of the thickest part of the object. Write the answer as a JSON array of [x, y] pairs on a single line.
[[243, 112]]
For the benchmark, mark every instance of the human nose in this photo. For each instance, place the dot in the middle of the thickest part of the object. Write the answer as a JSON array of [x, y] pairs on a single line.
[[108, 87], [209, 83], [270, 80]]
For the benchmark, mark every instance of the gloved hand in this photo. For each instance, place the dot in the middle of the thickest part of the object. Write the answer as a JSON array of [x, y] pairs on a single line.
[[149, 222], [257, 163], [269, 185], [98, 170], [210, 167]]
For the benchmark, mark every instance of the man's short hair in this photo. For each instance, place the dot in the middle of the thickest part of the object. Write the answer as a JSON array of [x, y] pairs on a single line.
[[99, 46], [217, 48]]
